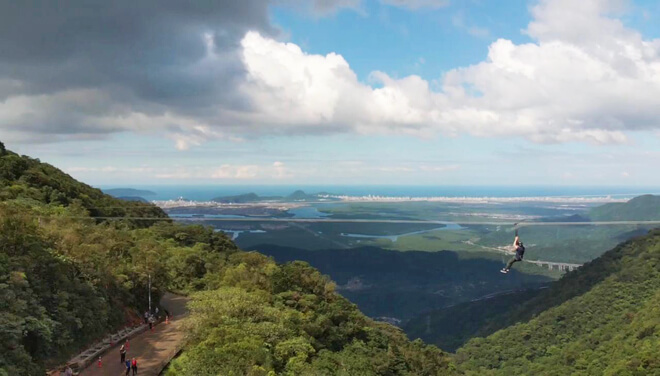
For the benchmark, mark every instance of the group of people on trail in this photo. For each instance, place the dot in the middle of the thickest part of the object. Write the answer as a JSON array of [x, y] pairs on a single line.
[[151, 319], [131, 364], [520, 252]]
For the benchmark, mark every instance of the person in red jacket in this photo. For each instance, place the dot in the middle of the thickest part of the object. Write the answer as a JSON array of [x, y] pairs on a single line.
[[134, 366]]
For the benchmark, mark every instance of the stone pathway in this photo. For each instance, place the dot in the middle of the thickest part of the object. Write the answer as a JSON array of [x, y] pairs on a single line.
[[152, 349]]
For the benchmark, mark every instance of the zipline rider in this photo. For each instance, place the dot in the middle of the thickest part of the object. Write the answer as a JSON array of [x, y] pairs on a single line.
[[520, 252]]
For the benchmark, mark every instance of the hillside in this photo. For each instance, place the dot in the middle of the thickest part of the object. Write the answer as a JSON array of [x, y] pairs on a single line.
[[30, 181], [404, 284], [452, 327], [641, 208], [602, 319], [67, 279]]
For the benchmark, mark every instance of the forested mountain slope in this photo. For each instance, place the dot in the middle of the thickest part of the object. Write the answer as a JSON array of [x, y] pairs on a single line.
[[67, 278], [641, 208], [404, 284], [602, 319], [29, 180], [451, 327]]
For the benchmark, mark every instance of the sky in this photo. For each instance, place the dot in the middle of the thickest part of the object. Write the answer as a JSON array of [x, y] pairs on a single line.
[[417, 92]]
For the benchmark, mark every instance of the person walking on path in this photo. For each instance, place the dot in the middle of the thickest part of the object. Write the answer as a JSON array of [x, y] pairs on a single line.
[[134, 366], [122, 354], [128, 366]]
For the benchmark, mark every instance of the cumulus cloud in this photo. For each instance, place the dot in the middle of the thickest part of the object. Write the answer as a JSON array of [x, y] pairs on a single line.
[[563, 87], [223, 172], [210, 70], [77, 68]]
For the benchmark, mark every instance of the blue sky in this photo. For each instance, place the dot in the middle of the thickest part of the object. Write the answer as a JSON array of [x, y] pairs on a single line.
[[477, 92]]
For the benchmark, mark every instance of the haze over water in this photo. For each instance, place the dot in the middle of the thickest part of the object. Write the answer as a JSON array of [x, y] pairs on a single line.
[[208, 192]]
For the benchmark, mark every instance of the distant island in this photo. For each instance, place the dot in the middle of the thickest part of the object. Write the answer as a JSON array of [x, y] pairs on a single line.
[[127, 193], [252, 197]]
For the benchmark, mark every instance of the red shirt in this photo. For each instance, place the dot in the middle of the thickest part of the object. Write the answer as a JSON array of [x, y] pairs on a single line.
[[134, 363]]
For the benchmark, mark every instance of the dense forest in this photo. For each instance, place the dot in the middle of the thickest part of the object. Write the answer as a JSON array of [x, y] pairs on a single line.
[[75, 264], [449, 328], [403, 285]]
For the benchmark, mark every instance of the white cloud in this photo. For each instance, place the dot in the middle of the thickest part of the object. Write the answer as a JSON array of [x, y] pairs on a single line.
[[223, 172], [92, 169], [585, 77], [569, 85]]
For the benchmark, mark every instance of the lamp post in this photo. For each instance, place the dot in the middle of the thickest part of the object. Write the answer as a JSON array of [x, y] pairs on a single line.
[[149, 293]]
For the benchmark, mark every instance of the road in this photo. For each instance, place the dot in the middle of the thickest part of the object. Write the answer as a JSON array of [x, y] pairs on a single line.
[[152, 349]]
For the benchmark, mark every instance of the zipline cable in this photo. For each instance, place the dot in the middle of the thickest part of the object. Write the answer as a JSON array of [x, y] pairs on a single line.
[[338, 220]]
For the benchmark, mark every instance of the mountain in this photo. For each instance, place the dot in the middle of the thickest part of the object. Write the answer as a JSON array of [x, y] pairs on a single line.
[[602, 319], [31, 181], [128, 192], [299, 195], [641, 208], [402, 285], [451, 327], [69, 278]]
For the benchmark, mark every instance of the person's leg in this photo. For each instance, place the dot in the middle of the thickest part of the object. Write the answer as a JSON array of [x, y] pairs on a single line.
[[510, 263]]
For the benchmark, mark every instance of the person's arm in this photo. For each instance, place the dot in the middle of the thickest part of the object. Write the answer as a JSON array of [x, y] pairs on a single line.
[[515, 241]]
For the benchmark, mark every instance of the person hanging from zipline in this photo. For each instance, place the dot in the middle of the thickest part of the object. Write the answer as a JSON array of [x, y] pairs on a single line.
[[520, 252]]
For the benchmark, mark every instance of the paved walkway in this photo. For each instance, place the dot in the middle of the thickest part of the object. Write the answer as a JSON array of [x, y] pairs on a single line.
[[152, 349]]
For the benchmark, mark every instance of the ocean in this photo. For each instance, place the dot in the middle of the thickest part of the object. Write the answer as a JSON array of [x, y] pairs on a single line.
[[208, 192]]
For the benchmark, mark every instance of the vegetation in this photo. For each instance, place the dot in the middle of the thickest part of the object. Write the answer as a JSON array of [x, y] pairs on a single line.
[[32, 182], [451, 327], [603, 319], [74, 265], [403, 285], [256, 317], [641, 208], [68, 277]]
